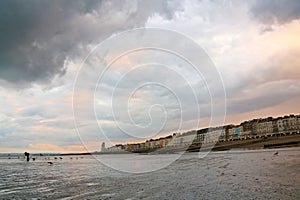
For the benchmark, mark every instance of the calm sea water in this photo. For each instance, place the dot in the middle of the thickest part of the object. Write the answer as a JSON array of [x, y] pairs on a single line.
[[256, 174]]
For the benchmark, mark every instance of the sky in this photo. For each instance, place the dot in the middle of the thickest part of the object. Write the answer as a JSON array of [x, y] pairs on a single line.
[[76, 73]]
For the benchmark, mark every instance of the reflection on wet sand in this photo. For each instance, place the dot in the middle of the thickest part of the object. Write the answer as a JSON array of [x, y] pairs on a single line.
[[258, 174]]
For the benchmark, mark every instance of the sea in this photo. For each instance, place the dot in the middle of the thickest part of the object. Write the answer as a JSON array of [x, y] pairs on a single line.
[[234, 174]]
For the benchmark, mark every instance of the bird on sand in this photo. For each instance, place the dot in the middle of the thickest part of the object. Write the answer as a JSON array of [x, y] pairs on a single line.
[[276, 153], [50, 163]]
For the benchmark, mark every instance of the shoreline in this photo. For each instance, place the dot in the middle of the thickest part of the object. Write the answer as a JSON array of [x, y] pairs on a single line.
[[271, 142]]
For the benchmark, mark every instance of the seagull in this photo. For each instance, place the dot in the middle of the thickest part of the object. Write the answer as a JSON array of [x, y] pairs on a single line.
[[50, 163], [276, 153]]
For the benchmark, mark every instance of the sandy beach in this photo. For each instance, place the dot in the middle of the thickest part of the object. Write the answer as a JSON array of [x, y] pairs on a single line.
[[256, 174]]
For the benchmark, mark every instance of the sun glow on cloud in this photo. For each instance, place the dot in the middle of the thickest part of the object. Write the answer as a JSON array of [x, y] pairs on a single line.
[[255, 47]]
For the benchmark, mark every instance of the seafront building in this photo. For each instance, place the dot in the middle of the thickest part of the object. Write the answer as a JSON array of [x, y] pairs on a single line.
[[103, 148], [119, 148], [255, 128]]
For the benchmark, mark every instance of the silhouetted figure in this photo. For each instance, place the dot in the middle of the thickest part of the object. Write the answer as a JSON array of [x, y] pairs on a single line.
[[27, 156]]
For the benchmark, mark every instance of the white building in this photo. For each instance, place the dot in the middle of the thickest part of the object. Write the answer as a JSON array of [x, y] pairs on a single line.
[[103, 148]]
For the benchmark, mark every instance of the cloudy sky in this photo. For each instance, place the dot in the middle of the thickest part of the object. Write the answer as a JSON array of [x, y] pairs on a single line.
[[76, 73]]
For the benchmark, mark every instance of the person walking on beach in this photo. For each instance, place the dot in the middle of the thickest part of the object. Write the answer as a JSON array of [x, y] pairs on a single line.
[[27, 156]]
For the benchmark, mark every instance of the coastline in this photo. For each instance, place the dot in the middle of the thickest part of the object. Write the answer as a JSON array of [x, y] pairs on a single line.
[[271, 142]]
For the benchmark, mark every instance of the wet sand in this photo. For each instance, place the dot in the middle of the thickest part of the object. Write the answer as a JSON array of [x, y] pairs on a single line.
[[256, 174]]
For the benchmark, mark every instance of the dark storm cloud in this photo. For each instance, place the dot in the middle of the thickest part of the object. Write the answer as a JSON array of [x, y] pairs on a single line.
[[37, 37], [270, 11]]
